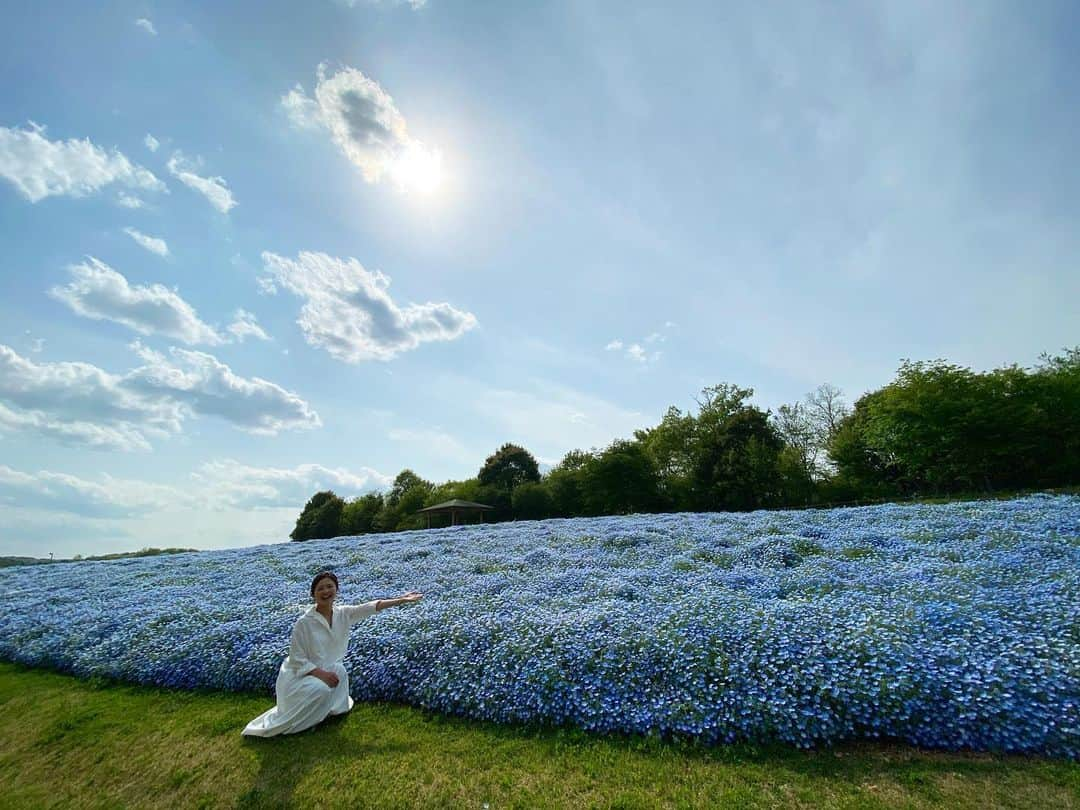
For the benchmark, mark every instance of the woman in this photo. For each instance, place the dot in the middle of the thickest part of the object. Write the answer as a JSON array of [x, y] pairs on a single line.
[[312, 683]]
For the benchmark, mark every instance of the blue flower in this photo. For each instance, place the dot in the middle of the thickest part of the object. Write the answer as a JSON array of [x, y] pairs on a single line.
[[953, 626]]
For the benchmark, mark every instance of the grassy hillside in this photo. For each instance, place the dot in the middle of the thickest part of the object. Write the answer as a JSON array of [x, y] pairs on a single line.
[[67, 742]]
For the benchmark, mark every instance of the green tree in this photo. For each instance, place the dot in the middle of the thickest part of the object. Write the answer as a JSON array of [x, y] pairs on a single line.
[[320, 518], [941, 428], [622, 479], [358, 516], [1057, 390], [717, 404], [737, 463], [405, 480], [499, 499], [407, 494], [531, 501], [566, 484], [670, 445], [508, 467]]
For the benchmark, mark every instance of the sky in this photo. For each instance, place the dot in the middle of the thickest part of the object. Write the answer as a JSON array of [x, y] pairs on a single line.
[[255, 250]]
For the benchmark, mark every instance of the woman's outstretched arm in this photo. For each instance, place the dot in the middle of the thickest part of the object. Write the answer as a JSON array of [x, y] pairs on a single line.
[[404, 599]]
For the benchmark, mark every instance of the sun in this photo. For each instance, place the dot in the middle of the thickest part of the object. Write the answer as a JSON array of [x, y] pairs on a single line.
[[418, 169]]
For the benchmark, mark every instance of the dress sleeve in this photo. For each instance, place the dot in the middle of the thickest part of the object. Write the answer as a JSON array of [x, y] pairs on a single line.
[[354, 613], [299, 661]]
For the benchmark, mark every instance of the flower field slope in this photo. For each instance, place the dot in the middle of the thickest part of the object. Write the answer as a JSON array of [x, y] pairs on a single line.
[[952, 626]]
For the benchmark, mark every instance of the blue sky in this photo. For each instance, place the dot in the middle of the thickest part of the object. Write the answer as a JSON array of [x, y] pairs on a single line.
[[252, 250]]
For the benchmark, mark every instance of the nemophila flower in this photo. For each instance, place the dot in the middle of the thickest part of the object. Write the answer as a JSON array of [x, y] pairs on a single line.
[[954, 626]]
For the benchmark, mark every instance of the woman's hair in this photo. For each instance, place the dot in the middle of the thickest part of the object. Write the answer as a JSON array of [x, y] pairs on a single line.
[[324, 575]]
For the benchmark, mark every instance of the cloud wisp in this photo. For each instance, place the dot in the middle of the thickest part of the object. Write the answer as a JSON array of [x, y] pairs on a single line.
[[83, 405], [230, 483], [245, 325], [146, 26], [151, 243], [223, 484], [639, 353], [40, 168], [415, 5], [207, 387], [109, 498], [129, 201], [364, 123], [348, 310], [100, 293], [215, 189]]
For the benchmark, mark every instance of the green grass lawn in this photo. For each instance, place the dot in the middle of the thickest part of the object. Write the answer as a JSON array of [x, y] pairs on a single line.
[[66, 742]]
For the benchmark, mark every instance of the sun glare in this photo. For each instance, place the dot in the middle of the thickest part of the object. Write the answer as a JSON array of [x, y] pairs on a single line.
[[418, 169]]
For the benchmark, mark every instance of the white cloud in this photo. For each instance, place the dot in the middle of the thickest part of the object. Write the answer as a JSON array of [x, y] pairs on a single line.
[[81, 404], [231, 483], [41, 168], [348, 310], [101, 293], [151, 243], [208, 387], [109, 498], [72, 432], [223, 504], [146, 26], [128, 200], [413, 4], [363, 122], [107, 505], [151, 142], [637, 352], [213, 188], [245, 325]]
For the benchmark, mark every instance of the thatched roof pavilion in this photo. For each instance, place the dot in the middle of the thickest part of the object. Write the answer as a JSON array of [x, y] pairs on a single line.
[[454, 508]]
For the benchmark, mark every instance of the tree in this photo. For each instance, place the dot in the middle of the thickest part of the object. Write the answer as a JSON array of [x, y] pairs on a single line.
[[1056, 384], [407, 494], [670, 445], [358, 516], [566, 484], [719, 403], [531, 501], [622, 479], [405, 480], [508, 467], [942, 428], [736, 465], [796, 427], [827, 410], [809, 426], [320, 518]]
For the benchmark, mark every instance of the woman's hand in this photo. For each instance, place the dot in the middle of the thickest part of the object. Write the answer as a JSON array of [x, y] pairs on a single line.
[[404, 599], [326, 676]]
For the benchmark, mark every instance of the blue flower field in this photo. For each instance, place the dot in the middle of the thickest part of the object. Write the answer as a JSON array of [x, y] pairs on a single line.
[[953, 626]]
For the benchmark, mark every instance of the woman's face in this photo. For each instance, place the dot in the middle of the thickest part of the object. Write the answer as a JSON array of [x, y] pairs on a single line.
[[325, 592]]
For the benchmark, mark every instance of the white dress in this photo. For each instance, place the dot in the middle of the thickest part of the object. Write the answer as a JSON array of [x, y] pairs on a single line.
[[302, 699]]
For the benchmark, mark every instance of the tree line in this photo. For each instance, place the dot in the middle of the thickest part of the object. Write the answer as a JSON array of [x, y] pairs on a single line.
[[936, 429]]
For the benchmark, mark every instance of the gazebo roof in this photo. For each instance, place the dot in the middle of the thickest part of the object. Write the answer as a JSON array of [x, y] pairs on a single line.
[[456, 503]]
